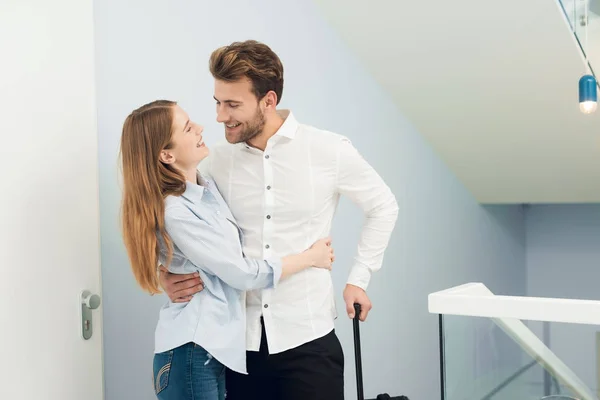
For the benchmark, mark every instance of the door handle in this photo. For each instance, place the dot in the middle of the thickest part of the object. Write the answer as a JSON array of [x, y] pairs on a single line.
[[89, 302]]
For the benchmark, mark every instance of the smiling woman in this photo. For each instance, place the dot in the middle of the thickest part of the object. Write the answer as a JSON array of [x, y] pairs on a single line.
[[186, 148]]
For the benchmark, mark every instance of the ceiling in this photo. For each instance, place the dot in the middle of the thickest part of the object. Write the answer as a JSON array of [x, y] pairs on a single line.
[[493, 90]]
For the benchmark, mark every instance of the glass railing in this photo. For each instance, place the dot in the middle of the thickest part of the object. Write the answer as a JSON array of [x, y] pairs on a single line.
[[516, 348], [585, 28]]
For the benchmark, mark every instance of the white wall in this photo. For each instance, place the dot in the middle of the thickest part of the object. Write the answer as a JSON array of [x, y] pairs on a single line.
[[154, 49], [563, 261]]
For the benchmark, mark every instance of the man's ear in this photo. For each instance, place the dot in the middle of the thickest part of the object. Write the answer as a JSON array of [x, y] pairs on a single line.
[[166, 157], [270, 100]]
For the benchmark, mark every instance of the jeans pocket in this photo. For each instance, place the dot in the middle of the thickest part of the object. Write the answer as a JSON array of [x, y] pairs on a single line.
[[161, 370]]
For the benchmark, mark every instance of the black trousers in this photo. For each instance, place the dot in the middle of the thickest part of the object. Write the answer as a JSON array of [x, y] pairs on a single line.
[[312, 371]]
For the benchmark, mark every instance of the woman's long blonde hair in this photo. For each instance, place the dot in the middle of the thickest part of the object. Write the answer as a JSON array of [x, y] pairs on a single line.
[[146, 182]]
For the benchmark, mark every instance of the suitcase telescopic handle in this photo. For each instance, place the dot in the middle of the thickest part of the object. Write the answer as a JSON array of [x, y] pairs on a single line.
[[357, 354]]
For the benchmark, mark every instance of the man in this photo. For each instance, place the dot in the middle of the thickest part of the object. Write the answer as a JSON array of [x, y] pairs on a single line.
[[282, 181]]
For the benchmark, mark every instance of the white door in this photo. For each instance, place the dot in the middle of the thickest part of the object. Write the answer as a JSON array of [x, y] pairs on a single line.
[[49, 218]]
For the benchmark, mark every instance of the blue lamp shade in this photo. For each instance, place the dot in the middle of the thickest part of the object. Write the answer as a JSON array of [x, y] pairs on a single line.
[[588, 94]]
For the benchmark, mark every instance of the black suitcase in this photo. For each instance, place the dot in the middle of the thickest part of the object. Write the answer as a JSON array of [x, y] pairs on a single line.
[[358, 362]]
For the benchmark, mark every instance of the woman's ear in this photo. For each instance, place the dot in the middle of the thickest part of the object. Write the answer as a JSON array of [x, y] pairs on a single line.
[[166, 157]]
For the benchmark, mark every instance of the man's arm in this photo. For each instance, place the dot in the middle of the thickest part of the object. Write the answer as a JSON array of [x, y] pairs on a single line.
[[179, 287], [358, 180]]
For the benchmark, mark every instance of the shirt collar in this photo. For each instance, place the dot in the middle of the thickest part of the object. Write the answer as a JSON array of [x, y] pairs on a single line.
[[287, 129], [194, 192], [290, 125]]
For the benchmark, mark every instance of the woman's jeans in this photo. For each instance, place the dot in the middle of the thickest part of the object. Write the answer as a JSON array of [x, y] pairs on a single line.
[[188, 373]]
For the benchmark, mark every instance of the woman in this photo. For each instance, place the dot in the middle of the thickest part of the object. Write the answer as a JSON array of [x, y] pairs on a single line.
[[175, 217]]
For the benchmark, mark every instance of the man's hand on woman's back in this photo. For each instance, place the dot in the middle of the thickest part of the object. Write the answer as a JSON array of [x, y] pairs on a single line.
[[179, 287]]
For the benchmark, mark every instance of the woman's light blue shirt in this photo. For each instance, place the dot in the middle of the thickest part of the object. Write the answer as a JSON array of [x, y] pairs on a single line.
[[207, 239]]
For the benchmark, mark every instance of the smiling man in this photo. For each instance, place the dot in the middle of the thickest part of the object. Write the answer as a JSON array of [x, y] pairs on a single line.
[[282, 180]]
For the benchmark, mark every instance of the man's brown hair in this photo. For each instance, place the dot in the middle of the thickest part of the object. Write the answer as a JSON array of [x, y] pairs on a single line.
[[252, 60]]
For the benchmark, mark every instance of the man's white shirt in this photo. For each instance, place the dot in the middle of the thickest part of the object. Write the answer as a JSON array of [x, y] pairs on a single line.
[[284, 199]]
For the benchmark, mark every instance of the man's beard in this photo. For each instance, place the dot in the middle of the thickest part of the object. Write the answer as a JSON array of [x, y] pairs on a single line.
[[253, 128]]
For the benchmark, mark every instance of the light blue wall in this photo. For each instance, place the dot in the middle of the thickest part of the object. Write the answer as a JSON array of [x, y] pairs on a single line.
[[563, 251], [157, 49], [563, 261]]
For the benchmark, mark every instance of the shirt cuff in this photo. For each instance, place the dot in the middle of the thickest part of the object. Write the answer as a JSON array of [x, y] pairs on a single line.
[[277, 266], [359, 276]]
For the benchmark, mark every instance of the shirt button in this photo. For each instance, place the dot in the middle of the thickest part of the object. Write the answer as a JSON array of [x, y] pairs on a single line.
[[268, 217], [266, 306], [269, 187], [267, 246], [218, 212], [267, 156]]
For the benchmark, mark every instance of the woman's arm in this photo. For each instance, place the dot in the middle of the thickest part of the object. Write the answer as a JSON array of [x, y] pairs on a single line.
[[212, 250], [320, 255]]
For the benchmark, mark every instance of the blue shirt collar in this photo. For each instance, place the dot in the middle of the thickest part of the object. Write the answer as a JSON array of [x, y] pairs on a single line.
[[195, 192]]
